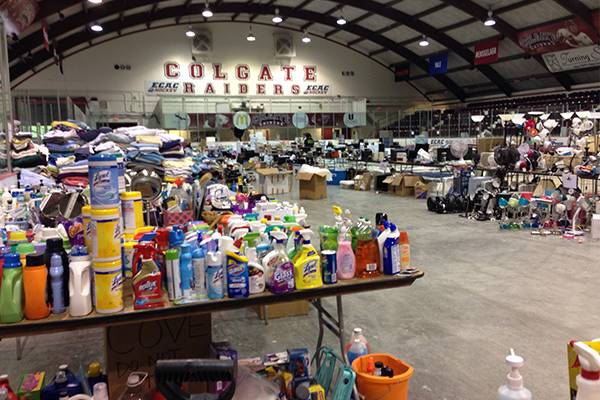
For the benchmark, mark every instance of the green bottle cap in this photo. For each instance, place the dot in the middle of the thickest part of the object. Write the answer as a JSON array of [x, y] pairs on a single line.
[[25, 248], [172, 254]]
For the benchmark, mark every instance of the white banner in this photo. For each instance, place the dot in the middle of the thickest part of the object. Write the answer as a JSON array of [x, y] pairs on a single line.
[[581, 57]]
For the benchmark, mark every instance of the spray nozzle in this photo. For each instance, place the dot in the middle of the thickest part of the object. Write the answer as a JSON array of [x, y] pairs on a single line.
[[515, 380], [306, 234], [147, 250], [589, 359], [279, 236], [387, 225], [392, 227]]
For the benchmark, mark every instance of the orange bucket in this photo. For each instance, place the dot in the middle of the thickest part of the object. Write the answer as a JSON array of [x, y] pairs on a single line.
[[382, 388]]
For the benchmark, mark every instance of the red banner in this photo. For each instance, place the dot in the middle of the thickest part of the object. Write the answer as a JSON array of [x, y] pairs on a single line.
[[18, 14], [486, 52], [568, 34]]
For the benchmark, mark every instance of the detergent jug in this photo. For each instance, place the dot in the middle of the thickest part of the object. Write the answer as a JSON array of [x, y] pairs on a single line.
[[11, 295], [64, 381], [35, 276], [307, 264], [147, 281]]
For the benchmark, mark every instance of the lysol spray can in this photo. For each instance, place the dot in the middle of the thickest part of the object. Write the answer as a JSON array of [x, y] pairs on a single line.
[[214, 275], [329, 266], [173, 275], [104, 181], [198, 263]]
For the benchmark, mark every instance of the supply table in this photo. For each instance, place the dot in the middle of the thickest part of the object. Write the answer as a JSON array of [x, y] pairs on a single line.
[[334, 322]]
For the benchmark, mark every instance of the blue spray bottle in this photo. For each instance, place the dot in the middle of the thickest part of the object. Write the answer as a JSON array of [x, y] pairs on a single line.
[[56, 276], [391, 252], [186, 271]]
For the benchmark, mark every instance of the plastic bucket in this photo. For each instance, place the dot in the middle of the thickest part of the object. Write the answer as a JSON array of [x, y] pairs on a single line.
[[382, 388]]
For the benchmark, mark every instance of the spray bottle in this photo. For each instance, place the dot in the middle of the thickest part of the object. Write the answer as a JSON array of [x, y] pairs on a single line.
[[307, 264], [199, 265], [147, 281], [173, 275], [588, 381], [514, 389], [278, 268], [214, 275], [256, 271], [186, 271], [391, 251], [383, 235]]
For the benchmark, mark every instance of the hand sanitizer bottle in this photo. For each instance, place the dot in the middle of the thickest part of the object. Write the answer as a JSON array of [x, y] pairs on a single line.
[[514, 389]]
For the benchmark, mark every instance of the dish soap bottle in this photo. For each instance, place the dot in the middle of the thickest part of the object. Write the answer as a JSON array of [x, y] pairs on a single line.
[[346, 261], [367, 252], [307, 264], [279, 270], [514, 389], [147, 280], [588, 381]]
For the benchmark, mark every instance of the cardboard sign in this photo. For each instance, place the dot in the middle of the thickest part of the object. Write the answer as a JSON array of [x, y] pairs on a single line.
[[486, 52], [137, 346]]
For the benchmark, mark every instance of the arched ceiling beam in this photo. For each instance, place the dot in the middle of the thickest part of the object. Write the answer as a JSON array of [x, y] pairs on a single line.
[[508, 31], [580, 10], [430, 31], [77, 20]]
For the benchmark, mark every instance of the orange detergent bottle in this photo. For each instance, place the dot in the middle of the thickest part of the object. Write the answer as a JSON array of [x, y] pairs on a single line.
[[35, 276], [367, 253]]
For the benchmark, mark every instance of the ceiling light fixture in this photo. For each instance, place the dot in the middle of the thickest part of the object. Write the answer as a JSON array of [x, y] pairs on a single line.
[[306, 38], [424, 42], [341, 20], [277, 19], [95, 1], [250, 37], [490, 21], [96, 27], [190, 33], [207, 12]]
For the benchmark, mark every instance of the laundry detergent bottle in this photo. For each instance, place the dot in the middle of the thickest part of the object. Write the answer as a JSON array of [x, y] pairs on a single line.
[[588, 381], [279, 270], [11, 291], [514, 389], [307, 264], [147, 280]]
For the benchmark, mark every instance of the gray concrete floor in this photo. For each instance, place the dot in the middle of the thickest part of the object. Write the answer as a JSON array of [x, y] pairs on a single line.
[[484, 292]]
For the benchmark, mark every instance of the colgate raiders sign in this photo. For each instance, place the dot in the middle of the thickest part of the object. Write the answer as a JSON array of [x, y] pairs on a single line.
[[213, 79]]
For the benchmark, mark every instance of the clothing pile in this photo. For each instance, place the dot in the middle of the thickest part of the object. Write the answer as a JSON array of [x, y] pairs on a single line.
[[24, 153]]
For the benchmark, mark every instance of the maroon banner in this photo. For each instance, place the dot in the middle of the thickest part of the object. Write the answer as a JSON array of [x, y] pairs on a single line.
[[568, 34], [486, 52]]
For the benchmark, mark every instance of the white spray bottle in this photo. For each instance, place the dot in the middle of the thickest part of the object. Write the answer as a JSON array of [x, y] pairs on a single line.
[[514, 389], [588, 381]]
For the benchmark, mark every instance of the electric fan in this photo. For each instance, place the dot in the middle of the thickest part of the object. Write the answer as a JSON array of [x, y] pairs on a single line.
[[459, 149]]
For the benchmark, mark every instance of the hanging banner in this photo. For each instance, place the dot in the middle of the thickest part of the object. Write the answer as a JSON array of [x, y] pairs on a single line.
[[565, 60], [563, 35], [438, 64], [486, 52], [401, 72], [18, 14]]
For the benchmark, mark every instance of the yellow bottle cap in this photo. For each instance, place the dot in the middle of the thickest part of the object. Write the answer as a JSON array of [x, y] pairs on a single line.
[[131, 196], [86, 210], [17, 236], [94, 370]]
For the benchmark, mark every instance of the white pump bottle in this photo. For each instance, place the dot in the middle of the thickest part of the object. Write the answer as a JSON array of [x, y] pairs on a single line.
[[588, 381], [514, 389]]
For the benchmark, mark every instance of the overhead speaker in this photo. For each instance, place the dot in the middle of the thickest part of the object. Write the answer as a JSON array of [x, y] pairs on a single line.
[[284, 45], [202, 43]]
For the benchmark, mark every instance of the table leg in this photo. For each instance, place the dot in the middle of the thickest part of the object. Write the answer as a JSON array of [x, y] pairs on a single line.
[[21, 343], [333, 324]]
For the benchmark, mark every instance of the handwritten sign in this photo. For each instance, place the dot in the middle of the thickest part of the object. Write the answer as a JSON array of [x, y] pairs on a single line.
[[137, 347]]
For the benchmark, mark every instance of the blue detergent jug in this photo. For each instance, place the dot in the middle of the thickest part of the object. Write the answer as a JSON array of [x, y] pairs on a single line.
[[64, 381]]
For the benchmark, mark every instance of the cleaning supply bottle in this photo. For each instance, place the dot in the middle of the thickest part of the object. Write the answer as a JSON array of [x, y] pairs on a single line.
[[55, 246], [383, 235], [64, 381], [57, 270], [307, 264], [214, 275], [345, 259], [514, 389], [367, 252], [256, 272], [11, 293], [95, 374], [147, 280], [404, 251], [588, 381], [173, 275], [199, 265], [9, 394], [278, 269], [358, 349], [35, 276], [186, 271], [391, 252], [137, 387], [358, 333], [238, 281], [80, 281]]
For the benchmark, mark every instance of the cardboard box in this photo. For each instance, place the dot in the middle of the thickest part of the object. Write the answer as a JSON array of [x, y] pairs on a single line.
[[347, 184], [273, 181], [404, 184], [281, 310], [363, 181], [421, 190], [313, 186]]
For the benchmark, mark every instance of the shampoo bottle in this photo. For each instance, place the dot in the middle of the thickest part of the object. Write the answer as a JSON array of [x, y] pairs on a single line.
[[514, 389], [588, 381]]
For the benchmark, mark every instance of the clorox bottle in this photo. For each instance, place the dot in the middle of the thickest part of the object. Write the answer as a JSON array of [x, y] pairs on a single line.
[[307, 264]]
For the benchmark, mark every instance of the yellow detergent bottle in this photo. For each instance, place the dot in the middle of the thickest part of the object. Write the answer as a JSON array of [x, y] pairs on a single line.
[[307, 264]]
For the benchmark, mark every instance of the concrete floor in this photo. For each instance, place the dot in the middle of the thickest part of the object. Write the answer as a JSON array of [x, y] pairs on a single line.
[[484, 292]]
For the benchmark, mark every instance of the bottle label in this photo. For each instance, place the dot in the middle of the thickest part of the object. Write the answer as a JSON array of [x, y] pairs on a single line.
[[370, 267]]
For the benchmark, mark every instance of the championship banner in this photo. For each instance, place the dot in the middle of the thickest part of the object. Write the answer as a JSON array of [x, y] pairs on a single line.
[[401, 72], [566, 60], [438, 64], [568, 34], [486, 52]]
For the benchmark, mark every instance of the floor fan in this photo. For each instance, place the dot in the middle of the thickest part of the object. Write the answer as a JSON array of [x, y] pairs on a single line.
[[459, 149]]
